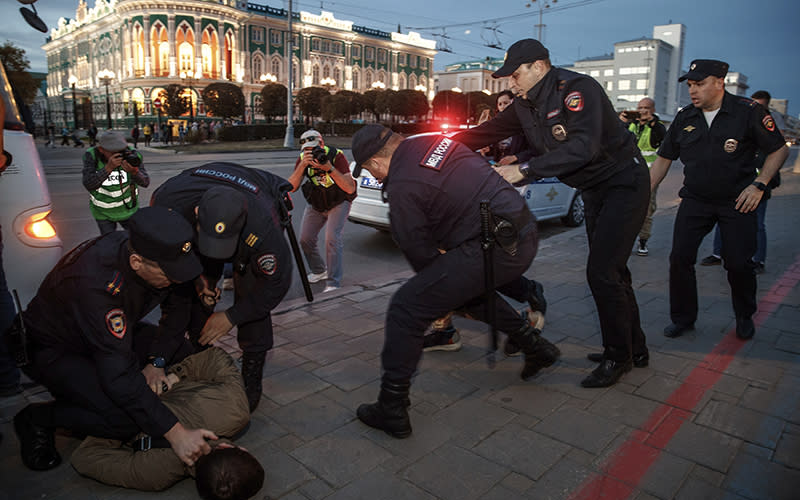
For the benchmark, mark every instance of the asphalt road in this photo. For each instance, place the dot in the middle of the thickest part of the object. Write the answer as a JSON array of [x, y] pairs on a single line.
[[368, 254]]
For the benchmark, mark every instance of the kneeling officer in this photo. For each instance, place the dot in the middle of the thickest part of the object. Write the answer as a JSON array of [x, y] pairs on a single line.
[[435, 186]]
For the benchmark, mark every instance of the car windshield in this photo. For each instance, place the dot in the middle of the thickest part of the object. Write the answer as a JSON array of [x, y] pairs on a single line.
[[12, 120]]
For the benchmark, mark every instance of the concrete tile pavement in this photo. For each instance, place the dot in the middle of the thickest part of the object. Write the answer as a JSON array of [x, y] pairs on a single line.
[[709, 418]]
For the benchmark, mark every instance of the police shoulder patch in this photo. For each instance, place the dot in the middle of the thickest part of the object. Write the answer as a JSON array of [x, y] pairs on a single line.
[[768, 123], [574, 101], [268, 263], [438, 153], [115, 322]]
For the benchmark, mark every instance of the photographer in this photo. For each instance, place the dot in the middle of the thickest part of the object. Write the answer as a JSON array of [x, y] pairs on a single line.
[[111, 172], [329, 189], [649, 132]]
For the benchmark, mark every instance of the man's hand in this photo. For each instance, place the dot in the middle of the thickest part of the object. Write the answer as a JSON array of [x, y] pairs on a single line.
[[623, 117], [748, 199], [189, 444], [207, 296], [486, 115], [155, 377], [508, 160], [216, 326], [114, 162], [129, 168], [510, 173]]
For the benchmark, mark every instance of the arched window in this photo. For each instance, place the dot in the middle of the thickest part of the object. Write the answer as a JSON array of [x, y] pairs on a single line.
[[356, 75], [412, 81], [315, 75], [423, 81], [184, 40], [159, 47], [210, 53], [137, 96], [138, 50], [326, 71], [401, 81], [258, 67], [276, 68], [229, 48], [382, 76], [337, 76], [368, 79]]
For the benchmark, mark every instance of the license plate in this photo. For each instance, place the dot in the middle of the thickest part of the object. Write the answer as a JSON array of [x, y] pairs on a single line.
[[371, 183]]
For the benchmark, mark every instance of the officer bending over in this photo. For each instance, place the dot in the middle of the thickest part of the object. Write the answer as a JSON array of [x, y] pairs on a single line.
[[235, 212], [435, 187], [87, 347]]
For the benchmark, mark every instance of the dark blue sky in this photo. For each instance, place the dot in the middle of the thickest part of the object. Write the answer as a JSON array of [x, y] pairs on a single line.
[[758, 38]]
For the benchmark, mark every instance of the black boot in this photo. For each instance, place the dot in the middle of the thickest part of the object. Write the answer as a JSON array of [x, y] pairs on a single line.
[[37, 443], [252, 373], [390, 412], [539, 352]]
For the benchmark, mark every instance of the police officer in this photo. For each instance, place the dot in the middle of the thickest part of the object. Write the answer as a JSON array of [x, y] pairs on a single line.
[[235, 211], [87, 347], [435, 186], [716, 138], [568, 118]]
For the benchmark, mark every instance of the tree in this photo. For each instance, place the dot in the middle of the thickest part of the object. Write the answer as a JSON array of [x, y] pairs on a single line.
[[273, 100], [16, 66], [370, 99], [309, 100], [172, 101], [224, 100], [355, 102], [385, 102], [477, 102], [335, 107], [411, 103], [449, 105]]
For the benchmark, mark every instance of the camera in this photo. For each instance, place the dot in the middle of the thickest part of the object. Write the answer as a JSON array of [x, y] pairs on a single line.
[[319, 155], [631, 115], [132, 157]]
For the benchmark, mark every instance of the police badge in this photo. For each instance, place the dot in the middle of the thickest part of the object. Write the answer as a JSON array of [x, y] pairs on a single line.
[[559, 132], [730, 145]]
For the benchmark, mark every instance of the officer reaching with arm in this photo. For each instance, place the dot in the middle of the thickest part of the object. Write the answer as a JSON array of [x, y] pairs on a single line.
[[576, 136], [717, 138], [236, 214], [436, 186], [87, 345]]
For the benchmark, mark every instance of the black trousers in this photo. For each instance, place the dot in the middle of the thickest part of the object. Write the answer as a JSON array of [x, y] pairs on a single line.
[[454, 281], [615, 211], [694, 221]]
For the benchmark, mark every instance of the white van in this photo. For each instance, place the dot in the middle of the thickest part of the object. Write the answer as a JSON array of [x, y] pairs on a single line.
[[31, 246]]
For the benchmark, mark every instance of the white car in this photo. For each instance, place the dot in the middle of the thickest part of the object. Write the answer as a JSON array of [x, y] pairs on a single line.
[[546, 198], [31, 246]]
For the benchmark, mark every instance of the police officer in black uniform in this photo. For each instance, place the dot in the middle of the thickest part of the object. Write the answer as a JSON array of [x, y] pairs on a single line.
[[86, 344], [235, 211], [717, 138], [435, 186], [568, 118]]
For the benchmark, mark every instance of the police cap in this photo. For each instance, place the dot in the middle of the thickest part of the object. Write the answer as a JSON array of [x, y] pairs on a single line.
[[221, 216], [367, 141], [165, 237], [524, 51], [702, 68]]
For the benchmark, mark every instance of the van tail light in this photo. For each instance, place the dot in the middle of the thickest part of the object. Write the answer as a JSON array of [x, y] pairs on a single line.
[[37, 226]]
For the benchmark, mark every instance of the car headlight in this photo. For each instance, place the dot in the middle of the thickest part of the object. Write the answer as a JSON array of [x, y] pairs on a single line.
[[37, 226]]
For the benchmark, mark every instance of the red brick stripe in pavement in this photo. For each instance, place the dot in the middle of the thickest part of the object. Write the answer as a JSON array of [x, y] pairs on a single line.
[[626, 467]]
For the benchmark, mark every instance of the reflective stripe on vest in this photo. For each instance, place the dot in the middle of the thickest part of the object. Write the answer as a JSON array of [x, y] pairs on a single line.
[[116, 198], [648, 152]]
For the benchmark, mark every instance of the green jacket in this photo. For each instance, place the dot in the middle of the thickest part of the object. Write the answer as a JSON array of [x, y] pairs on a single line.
[[112, 196]]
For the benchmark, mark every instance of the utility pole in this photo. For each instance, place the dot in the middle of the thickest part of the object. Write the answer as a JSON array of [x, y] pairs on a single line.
[[288, 140], [543, 4]]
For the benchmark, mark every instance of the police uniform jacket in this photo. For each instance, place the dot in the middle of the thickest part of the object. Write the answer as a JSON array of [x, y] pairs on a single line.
[[435, 186], [720, 161], [88, 306], [571, 126], [209, 395], [262, 248]]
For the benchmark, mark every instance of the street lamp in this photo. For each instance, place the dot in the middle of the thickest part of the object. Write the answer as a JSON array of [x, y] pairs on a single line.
[[421, 88], [378, 85], [328, 83], [72, 81], [269, 77], [106, 77], [189, 79]]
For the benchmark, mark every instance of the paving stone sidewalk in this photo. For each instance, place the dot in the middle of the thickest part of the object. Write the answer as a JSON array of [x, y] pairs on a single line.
[[699, 427]]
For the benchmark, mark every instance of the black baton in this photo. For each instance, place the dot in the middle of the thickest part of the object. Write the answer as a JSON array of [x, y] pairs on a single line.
[[284, 205], [18, 336], [487, 245]]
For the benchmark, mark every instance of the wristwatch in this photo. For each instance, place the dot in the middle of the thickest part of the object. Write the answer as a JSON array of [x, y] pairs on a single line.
[[525, 169], [157, 361], [760, 185]]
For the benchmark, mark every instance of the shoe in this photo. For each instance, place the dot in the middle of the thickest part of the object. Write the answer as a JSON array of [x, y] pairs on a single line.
[[639, 360], [745, 329], [227, 284], [446, 339], [316, 278], [711, 260], [536, 298], [252, 373], [37, 443], [511, 349], [642, 250], [390, 412], [676, 330], [758, 268], [536, 320], [607, 373], [539, 352], [331, 288]]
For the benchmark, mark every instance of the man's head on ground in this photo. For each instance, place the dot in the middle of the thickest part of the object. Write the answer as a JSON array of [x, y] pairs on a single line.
[[110, 142], [527, 62], [706, 80], [221, 215], [762, 97], [160, 246], [373, 147], [646, 109], [228, 473], [311, 139]]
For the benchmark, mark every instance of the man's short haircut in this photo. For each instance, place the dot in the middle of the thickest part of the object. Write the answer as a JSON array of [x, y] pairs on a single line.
[[761, 94], [391, 144], [228, 474]]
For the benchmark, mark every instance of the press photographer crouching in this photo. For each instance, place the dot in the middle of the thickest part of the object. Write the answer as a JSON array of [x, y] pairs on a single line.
[[112, 170]]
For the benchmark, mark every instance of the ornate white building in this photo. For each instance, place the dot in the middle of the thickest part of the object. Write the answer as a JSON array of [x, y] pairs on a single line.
[[149, 44]]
